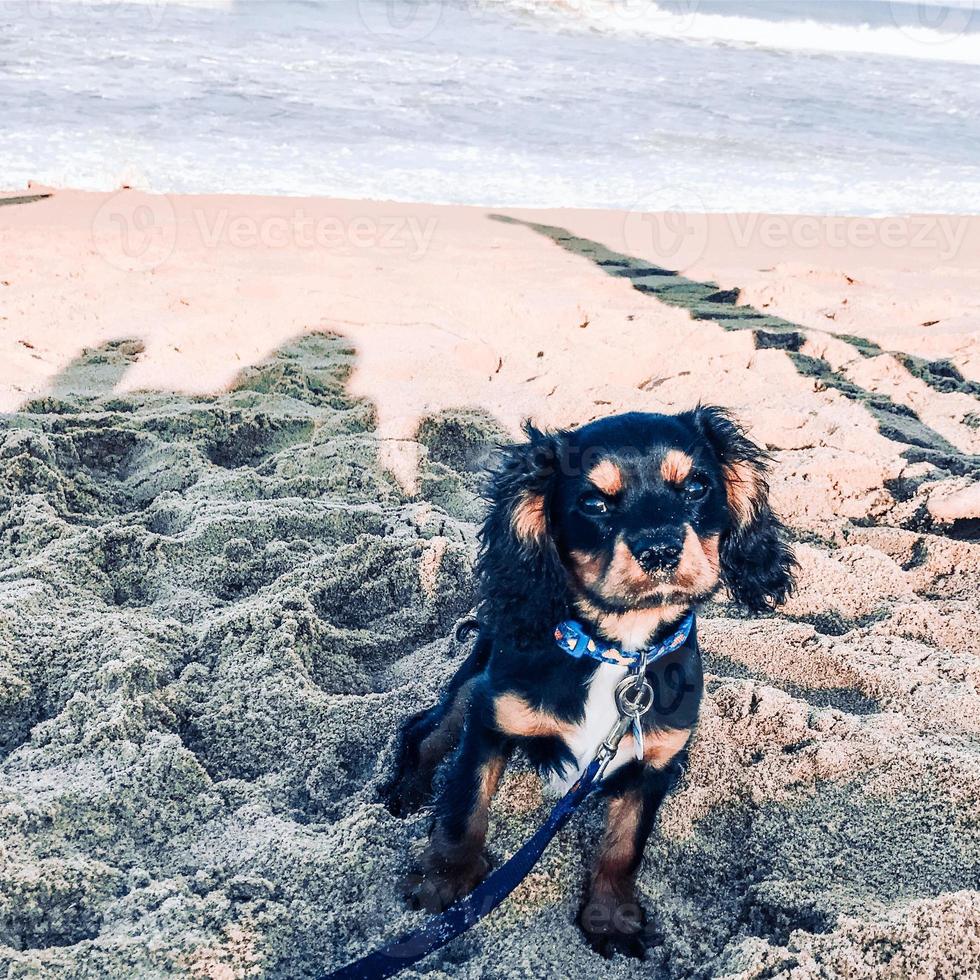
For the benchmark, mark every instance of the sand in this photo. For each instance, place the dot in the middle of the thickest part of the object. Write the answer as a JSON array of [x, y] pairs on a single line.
[[238, 504]]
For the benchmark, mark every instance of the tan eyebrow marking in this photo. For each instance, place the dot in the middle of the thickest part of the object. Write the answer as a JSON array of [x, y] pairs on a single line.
[[528, 520], [675, 466], [607, 477]]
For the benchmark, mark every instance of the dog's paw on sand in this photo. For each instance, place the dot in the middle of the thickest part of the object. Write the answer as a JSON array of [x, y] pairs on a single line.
[[613, 925], [404, 795], [435, 890]]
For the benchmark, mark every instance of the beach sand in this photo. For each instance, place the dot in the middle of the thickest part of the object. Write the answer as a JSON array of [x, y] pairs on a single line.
[[239, 473]]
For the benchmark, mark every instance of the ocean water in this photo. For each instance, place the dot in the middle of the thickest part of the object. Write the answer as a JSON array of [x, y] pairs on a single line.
[[800, 106]]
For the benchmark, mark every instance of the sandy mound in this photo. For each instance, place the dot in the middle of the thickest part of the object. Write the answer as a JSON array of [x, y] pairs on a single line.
[[214, 611]]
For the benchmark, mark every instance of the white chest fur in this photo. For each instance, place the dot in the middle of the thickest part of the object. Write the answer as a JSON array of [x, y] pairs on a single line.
[[600, 716]]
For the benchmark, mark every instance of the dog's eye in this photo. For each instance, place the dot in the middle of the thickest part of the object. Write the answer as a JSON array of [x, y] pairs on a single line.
[[696, 488], [593, 505]]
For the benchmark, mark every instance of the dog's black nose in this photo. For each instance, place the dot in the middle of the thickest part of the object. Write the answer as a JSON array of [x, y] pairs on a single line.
[[657, 553]]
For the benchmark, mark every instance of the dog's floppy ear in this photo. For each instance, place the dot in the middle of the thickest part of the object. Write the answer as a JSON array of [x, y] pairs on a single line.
[[523, 583], [757, 564]]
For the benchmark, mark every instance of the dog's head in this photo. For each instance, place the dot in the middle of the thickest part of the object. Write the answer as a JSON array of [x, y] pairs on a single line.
[[633, 512]]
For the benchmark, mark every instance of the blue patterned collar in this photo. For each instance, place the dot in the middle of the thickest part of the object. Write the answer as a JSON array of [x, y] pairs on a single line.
[[570, 635]]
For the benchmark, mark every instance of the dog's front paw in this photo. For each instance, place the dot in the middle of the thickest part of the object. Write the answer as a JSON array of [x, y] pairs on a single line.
[[436, 889], [611, 925], [405, 794]]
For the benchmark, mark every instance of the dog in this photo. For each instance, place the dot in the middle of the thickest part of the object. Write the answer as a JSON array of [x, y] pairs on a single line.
[[624, 526]]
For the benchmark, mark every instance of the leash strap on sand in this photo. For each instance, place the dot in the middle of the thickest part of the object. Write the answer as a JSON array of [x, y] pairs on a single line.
[[440, 929], [634, 696]]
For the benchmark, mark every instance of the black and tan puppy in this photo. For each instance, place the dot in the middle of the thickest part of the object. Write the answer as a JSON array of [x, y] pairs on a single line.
[[623, 525]]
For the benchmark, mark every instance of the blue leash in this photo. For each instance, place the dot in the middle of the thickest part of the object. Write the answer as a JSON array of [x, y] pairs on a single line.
[[634, 696], [440, 929]]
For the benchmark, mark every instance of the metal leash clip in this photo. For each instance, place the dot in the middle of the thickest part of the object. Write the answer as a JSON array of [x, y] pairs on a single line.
[[634, 697]]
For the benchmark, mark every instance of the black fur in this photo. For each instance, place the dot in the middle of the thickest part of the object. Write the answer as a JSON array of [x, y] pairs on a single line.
[[506, 564], [672, 539], [757, 564]]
